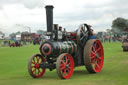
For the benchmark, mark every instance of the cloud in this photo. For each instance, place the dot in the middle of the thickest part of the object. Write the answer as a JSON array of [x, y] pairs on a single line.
[[67, 13], [11, 15], [27, 3]]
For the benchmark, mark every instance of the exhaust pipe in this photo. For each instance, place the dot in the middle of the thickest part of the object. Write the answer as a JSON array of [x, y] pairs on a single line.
[[49, 19]]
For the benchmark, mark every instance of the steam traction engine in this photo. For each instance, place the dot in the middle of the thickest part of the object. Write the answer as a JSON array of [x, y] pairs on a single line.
[[66, 50]]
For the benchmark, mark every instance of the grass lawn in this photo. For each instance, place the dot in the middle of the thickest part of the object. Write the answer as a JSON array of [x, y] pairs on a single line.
[[13, 68]]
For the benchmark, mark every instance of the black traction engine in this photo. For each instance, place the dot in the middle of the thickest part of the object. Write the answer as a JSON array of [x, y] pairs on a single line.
[[65, 50]]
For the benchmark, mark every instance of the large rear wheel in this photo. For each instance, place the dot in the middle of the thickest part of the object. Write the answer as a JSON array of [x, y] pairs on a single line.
[[33, 66], [65, 66], [93, 56]]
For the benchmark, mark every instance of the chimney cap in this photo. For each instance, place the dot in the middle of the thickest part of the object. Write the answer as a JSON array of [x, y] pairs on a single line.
[[49, 6]]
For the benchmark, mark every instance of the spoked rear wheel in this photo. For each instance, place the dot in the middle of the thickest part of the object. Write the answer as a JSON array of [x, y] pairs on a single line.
[[65, 66], [93, 56], [33, 66]]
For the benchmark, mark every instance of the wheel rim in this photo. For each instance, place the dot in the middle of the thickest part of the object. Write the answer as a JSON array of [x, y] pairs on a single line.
[[33, 66], [86, 33], [65, 67], [78, 34], [97, 56]]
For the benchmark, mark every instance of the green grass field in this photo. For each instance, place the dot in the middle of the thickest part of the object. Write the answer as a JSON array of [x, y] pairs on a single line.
[[13, 68]]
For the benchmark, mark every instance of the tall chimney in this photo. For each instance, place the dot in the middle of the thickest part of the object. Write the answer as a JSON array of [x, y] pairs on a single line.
[[49, 19]]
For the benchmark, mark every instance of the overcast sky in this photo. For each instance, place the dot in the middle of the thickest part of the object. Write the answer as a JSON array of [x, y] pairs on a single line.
[[18, 15]]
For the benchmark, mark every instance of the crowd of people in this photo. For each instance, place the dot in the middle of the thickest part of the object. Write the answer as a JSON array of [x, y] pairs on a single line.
[[17, 43], [109, 38]]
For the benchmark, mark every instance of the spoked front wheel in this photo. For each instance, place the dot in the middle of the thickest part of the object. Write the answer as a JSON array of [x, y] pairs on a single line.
[[33, 66], [65, 66]]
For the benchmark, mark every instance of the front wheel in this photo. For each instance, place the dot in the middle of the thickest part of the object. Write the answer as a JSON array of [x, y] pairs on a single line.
[[65, 66], [33, 66]]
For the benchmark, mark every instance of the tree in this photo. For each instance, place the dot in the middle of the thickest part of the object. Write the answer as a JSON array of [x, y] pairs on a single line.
[[119, 25], [1, 32], [13, 35], [17, 33], [3, 35], [108, 30], [40, 32]]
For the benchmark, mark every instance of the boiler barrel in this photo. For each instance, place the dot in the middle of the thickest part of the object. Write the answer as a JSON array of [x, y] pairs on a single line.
[[55, 48]]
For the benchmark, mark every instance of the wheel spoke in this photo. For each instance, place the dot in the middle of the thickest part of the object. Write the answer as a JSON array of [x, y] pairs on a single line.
[[33, 63], [99, 58], [93, 61], [34, 70], [94, 50], [38, 72], [62, 66], [98, 49], [95, 45], [65, 72], [97, 66], [37, 59], [92, 55], [69, 63], [33, 60], [33, 66], [40, 60], [68, 69], [63, 62], [66, 60]]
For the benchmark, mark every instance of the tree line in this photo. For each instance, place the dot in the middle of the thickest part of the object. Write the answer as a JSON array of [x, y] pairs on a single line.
[[120, 25]]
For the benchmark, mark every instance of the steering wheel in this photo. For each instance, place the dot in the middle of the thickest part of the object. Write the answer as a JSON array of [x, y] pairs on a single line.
[[83, 34]]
